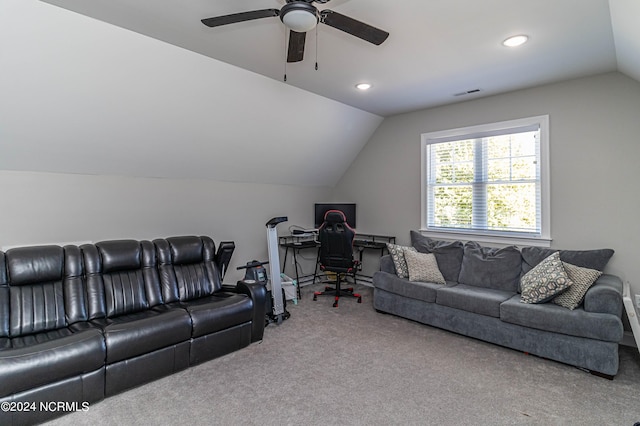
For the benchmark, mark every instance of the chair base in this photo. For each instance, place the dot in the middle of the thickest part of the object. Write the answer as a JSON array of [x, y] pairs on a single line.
[[337, 292]]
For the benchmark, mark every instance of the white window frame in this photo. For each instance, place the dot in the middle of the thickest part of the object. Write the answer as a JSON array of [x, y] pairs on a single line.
[[493, 237]]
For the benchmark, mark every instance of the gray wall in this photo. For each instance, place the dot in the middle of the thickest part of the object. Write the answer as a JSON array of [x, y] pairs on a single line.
[[594, 149], [591, 119], [49, 208]]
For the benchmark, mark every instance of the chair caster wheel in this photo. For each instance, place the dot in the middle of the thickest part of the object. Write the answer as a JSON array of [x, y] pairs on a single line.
[[335, 304], [359, 299], [315, 297]]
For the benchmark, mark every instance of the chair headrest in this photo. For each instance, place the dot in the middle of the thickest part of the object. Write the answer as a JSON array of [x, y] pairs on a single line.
[[334, 216]]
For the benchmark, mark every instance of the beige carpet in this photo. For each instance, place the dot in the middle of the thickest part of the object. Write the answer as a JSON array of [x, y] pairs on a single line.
[[353, 366]]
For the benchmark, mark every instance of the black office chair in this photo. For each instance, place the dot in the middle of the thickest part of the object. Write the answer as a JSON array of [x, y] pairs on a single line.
[[336, 255]]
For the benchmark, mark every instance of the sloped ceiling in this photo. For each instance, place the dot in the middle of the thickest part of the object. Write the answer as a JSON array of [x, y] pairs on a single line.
[[83, 96], [625, 16], [436, 48], [157, 94]]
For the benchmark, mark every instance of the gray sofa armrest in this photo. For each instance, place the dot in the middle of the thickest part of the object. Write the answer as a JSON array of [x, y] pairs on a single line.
[[386, 264], [605, 296]]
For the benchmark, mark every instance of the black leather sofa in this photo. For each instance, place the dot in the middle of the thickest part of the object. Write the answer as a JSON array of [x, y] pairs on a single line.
[[78, 324]]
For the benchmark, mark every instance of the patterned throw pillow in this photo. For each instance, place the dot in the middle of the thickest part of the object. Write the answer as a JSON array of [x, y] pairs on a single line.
[[545, 281], [397, 255], [423, 267], [582, 278]]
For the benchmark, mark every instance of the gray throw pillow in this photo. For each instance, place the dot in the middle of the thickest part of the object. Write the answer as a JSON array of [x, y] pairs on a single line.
[[545, 281], [448, 253], [397, 255], [423, 267], [496, 268], [583, 279]]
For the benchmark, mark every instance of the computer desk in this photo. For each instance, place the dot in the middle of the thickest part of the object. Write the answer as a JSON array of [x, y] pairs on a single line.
[[362, 242], [295, 243]]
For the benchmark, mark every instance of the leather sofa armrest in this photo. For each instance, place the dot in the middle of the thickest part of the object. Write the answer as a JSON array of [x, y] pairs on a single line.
[[605, 296], [258, 293]]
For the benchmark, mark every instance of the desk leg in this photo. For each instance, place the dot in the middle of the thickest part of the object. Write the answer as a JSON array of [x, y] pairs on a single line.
[[295, 264], [315, 271], [284, 262]]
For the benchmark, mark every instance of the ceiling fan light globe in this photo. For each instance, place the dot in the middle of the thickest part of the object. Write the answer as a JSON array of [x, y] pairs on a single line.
[[299, 16], [300, 20]]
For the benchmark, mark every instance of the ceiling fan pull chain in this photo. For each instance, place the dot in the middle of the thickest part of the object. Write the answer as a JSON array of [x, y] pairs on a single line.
[[316, 48], [285, 55]]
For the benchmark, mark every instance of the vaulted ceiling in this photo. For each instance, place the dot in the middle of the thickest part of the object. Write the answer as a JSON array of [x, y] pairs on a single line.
[[437, 49], [143, 88]]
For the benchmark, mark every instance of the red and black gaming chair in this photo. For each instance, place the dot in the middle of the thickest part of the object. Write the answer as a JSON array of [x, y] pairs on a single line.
[[336, 254]]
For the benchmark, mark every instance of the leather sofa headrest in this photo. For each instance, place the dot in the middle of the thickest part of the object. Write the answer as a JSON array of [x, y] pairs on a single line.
[[185, 250], [120, 255], [29, 265]]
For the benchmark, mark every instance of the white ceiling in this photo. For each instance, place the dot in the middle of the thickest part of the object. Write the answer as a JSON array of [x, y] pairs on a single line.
[[436, 48], [80, 95]]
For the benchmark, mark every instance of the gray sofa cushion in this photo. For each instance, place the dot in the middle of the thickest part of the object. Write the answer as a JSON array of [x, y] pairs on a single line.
[[592, 259], [415, 290], [483, 301], [554, 318], [496, 268], [448, 254]]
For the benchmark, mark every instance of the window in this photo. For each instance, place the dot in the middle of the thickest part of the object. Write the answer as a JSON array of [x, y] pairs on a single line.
[[489, 182]]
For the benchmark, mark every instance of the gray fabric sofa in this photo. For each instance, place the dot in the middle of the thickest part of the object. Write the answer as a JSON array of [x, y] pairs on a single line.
[[481, 298]]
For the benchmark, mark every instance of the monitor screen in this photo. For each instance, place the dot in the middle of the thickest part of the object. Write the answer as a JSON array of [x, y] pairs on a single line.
[[349, 210]]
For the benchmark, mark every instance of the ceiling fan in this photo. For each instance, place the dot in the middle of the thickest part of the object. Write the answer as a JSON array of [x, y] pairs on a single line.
[[301, 16]]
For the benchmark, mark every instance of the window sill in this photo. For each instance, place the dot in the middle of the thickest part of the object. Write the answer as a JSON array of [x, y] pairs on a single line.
[[519, 240]]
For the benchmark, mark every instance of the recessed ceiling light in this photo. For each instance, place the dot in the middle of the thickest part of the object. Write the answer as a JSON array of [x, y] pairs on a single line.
[[515, 41], [363, 86]]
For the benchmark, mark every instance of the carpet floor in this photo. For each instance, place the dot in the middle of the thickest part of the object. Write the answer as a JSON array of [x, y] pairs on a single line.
[[354, 366]]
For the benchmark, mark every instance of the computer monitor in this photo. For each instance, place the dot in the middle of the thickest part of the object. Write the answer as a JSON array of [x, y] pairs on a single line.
[[349, 210]]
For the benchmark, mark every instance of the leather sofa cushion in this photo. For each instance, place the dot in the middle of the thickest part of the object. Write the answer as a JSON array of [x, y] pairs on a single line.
[[193, 280], [186, 269], [36, 308], [219, 312], [4, 311], [555, 318], [483, 301], [38, 359], [415, 290], [120, 277], [128, 336]]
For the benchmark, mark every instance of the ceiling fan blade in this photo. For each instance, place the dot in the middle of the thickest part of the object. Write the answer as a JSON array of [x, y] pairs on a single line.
[[296, 46], [351, 26], [217, 21]]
